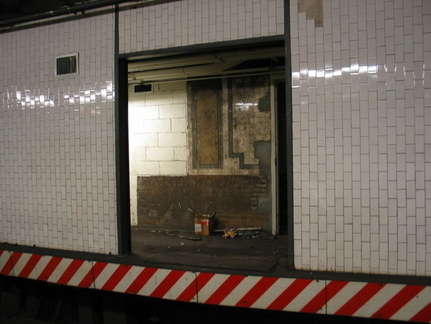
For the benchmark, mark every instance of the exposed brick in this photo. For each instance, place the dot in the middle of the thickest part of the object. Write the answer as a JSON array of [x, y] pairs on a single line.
[[164, 201]]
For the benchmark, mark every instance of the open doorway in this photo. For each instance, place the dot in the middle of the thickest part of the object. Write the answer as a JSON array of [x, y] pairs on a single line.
[[202, 143]]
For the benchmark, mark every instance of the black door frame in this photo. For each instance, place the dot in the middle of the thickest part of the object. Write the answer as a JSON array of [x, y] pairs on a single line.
[[122, 141]]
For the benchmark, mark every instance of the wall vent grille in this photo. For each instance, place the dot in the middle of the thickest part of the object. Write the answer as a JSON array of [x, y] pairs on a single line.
[[143, 88], [67, 64]]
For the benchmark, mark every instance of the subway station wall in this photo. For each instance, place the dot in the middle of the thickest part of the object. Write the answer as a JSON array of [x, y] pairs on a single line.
[[191, 22], [361, 97], [57, 162], [179, 24], [361, 119], [58, 186], [361, 89]]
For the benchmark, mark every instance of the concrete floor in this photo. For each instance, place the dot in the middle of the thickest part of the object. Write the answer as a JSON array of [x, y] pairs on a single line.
[[253, 252]]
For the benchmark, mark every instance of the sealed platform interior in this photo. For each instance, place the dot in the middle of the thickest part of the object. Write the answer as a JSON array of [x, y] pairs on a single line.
[[250, 252]]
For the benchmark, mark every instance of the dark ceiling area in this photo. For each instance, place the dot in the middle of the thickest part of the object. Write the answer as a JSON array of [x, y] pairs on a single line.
[[12, 9], [15, 12]]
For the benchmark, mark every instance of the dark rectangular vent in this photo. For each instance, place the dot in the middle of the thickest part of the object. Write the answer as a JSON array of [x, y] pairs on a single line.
[[144, 88], [67, 64]]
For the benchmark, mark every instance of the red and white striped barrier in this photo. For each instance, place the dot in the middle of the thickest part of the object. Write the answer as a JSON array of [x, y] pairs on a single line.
[[332, 297]]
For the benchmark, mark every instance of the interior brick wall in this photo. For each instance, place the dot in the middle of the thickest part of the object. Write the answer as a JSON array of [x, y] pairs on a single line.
[[164, 201]]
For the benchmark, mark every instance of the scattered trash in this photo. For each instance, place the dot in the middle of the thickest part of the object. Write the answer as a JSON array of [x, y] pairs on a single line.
[[190, 238], [165, 231], [245, 233], [253, 232], [204, 223], [241, 229], [192, 210], [230, 233], [249, 234]]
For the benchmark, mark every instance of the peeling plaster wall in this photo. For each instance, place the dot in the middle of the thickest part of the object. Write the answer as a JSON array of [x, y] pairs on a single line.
[[246, 119]]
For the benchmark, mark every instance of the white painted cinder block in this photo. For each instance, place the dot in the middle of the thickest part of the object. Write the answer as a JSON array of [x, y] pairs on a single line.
[[159, 98], [144, 140], [160, 154], [172, 111], [172, 139], [180, 154], [179, 125], [173, 168], [147, 168], [142, 111], [140, 153], [157, 126]]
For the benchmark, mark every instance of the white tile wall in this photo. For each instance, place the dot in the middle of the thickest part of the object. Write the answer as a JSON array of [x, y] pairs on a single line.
[[361, 119], [57, 138], [190, 22], [370, 146]]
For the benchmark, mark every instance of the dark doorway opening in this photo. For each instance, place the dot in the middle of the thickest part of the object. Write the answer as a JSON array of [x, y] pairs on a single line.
[[203, 139]]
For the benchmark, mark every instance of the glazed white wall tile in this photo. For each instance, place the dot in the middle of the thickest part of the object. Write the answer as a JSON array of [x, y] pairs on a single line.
[[361, 93], [191, 22], [361, 137], [58, 174], [57, 138]]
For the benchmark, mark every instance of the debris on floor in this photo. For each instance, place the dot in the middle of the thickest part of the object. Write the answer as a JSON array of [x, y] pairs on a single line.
[[230, 233], [167, 232], [190, 238], [250, 233], [246, 232], [203, 223]]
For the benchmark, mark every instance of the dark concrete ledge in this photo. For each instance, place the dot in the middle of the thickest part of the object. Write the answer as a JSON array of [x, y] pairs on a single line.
[[263, 255]]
